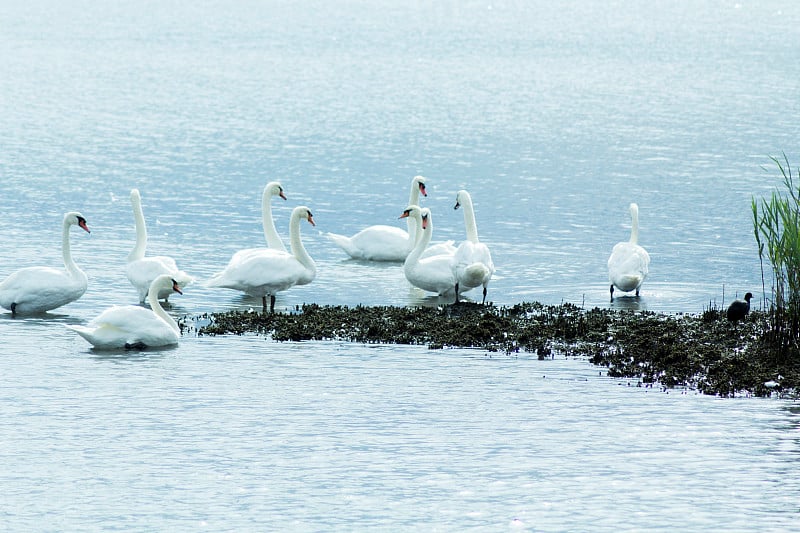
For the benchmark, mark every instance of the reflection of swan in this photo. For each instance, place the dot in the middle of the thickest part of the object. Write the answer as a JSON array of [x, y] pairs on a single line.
[[446, 247], [141, 270], [39, 289], [274, 241], [433, 274], [267, 271], [132, 326], [383, 243], [472, 262], [629, 262]]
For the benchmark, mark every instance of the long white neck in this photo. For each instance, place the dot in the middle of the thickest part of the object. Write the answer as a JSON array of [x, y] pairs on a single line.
[[298, 250], [413, 199], [66, 251], [469, 217], [634, 224], [155, 305], [270, 233], [422, 243], [141, 230]]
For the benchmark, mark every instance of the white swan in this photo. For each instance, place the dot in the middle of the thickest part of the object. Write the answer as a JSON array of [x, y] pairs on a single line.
[[383, 243], [432, 274], [268, 271], [472, 262], [38, 289], [271, 236], [628, 264], [141, 270], [132, 326], [440, 248]]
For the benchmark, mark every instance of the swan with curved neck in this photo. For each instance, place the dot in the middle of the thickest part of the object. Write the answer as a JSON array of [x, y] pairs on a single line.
[[440, 248], [141, 270], [133, 326], [432, 274], [266, 272], [271, 236], [472, 262], [384, 243], [629, 263], [39, 289]]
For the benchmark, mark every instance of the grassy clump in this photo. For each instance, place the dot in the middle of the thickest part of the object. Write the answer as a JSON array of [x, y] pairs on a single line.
[[703, 352]]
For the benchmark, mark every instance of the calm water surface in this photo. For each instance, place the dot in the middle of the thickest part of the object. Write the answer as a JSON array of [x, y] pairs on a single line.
[[555, 117]]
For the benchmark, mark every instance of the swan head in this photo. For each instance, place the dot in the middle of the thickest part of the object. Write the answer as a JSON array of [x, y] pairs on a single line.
[[164, 281], [462, 197], [634, 210], [135, 196], [419, 181], [303, 212], [425, 213], [411, 211], [274, 188], [76, 219]]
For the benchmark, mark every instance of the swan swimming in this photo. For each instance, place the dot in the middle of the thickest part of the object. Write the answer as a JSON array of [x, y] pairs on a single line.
[[133, 326], [383, 243], [39, 289], [432, 274], [628, 264], [141, 270], [472, 262], [269, 271]]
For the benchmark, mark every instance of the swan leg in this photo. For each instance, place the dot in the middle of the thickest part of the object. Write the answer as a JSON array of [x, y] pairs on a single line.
[[612, 292], [272, 303], [14, 309], [637, 291], [456, 292], [264, 304], [484, 296]]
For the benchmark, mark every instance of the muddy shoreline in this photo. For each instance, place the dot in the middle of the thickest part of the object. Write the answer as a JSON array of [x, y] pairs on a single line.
[[703, 352]]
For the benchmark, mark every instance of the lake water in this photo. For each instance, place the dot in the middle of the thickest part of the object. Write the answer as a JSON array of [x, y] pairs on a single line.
[[555, 116]]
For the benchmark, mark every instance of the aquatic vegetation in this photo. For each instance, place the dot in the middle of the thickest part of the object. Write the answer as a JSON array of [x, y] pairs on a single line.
[[704, 352], [776, 225]]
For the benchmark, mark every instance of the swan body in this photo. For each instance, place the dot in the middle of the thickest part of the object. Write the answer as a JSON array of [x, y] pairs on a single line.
[[472, 262], [271, 236], [35, 290], [141, 270], [133, 326], [432, 274], [383, 243], [629, 263], [268, 271]]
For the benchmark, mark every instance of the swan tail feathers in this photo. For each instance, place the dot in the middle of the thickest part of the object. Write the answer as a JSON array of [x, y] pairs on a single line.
[[346, 244]]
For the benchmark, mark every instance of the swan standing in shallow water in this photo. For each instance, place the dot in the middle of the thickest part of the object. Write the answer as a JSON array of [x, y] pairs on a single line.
[[271, 236], [268, 271], [432, 274], [628, 264], [38, 289], [141, 270], [472, 262], [383, 243], [132, 326]]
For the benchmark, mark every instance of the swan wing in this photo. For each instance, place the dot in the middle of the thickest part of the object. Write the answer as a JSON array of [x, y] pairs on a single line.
[[142, 272], [628, 266], [39, 289], [433, 274], [125, 326], [262, 273], [375, 243], [440, 248]]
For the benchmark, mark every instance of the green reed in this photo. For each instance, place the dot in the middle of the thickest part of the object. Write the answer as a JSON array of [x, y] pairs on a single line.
[[776, 225]]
